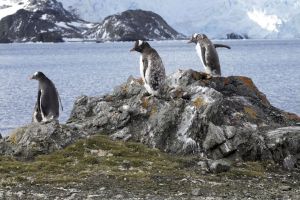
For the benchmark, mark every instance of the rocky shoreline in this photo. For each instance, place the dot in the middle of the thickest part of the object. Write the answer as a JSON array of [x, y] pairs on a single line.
[[205, 138]]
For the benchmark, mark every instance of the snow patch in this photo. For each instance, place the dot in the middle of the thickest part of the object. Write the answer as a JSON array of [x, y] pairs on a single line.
[[265, 21], [62, 24], [156, 31], [8, 7], [80, 24], [44, 17]]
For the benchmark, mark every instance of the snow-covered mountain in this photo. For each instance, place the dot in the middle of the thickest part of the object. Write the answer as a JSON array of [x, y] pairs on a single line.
[[38, 20], [46, 20], [49, 21], [132, 25], [217, 18]]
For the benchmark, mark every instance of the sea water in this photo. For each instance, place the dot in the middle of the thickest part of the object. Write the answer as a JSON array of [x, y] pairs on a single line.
[[94, 69]]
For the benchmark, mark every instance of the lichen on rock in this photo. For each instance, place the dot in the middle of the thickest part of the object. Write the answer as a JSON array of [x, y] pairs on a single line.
[[220, 117]]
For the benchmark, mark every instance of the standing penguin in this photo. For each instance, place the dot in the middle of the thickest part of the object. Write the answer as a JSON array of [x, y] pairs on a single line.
[[207, 52], [47, 104], [151, 68]]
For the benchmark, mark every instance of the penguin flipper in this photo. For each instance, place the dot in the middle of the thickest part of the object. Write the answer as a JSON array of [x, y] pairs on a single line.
[[61, 106], [203, 55], [37, 115], [38, 101], [222, 45]]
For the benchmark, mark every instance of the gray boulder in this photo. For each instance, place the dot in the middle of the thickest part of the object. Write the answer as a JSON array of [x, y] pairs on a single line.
[[284, 143], [39, 138], [218, 166]]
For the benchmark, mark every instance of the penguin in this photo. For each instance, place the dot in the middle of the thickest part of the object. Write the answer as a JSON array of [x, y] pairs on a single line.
[[207, 52], [151, 68], [48, 100]]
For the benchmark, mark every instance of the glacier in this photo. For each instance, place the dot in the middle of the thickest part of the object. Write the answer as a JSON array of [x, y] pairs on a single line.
[[258, 19]]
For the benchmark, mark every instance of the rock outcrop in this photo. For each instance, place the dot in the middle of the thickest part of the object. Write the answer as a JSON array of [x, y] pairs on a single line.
[[217, 118], [236, 36], [39, 138], [134, 25], [222, 117]]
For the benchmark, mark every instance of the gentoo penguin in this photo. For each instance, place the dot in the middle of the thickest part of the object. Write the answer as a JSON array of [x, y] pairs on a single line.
[[151, 68], [207, 52], [47, 104]]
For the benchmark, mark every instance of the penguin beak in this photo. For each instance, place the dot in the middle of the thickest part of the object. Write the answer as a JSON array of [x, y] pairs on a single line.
[[133, 49], [190, 41]]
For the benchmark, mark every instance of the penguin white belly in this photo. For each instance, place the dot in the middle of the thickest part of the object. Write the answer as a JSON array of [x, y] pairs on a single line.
[[142, 68], [199, 52], [41, 110], [148, 80]]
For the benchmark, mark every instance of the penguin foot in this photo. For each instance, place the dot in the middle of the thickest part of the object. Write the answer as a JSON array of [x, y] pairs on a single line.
[[48, 121], [45, 122]]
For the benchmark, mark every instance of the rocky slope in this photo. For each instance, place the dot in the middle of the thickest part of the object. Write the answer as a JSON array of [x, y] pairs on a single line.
[[134, 25], [41, 21], [223, 125]]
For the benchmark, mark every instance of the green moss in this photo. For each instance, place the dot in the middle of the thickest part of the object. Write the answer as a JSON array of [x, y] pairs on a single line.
[[132, 160], [248, 169], [128, 165], [90, 160]]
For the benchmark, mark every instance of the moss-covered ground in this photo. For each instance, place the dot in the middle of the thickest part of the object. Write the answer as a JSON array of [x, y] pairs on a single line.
[[98, 162]]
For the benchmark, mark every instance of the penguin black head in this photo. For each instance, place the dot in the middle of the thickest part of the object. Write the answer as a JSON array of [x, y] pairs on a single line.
[[196, 37], [38, 76], [140, 45]]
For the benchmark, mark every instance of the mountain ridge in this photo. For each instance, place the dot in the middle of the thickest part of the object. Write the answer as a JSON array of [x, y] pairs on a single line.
[[258, 19], [132, 25], [49, 21], [221, 19]]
